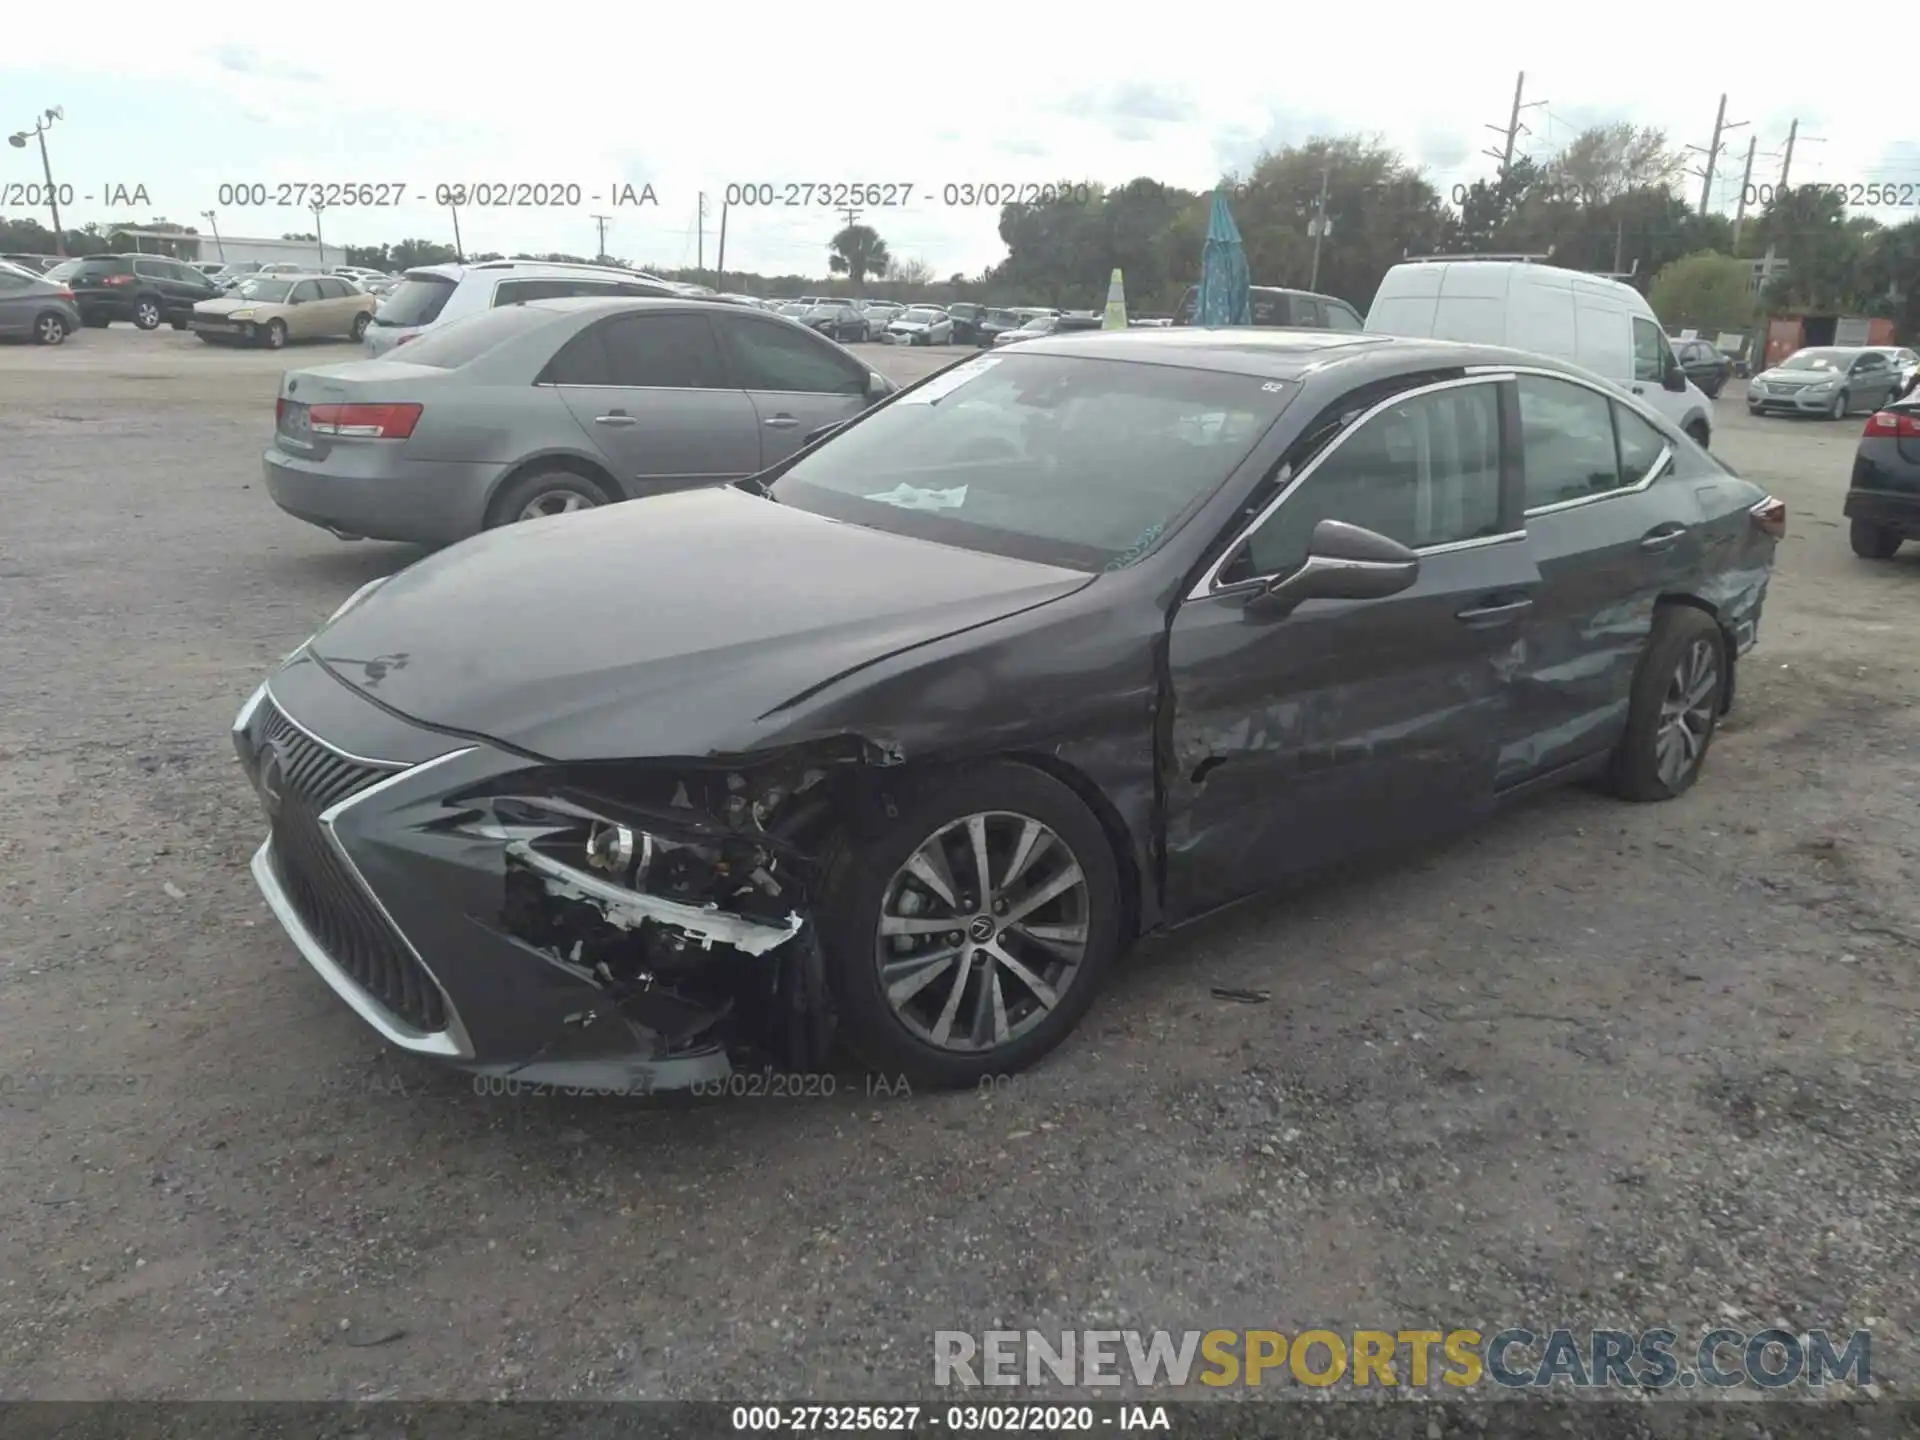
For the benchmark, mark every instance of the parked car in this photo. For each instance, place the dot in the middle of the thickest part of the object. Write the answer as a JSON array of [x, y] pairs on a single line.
[[431, 295], [1827, 380], [145, 289], [61, 273], [920, 325], [1032, 329], [283, 267], [996, 323], [553, 405], [1590, 320], [32, 263], [1906, 365], [935, 789], [880, 314], [836, 319], [270, 310], [229, 276], [1704, 365], [382, 287], [1883, 497], [966, 321], [1276, 308], [32, 307]]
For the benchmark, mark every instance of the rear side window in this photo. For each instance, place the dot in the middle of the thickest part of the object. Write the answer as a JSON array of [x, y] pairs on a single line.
[[1641, 446], [768, 356], [1340, 317], [518, 292], [1567, 440], [662, 352], [459, 341], [416, 300], [1309, 312]]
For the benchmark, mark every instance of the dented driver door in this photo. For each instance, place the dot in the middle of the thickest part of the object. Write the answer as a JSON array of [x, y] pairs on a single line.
[[1301, 739]]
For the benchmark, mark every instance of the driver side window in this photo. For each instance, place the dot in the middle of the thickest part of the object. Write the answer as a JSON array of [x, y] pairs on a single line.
[[1425, 471]]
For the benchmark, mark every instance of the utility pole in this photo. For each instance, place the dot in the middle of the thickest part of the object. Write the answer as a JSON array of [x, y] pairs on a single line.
[[1712, 152], [720, 264], [1513, 129], [319, 236], [1786, 164], [1318, 228], [600, 221], [700, 255], [1746, 184], [213, 219], [850, 213], [459, 250]]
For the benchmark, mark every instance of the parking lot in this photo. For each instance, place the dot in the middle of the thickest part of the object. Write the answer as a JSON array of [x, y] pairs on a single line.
[[1595, 1064]]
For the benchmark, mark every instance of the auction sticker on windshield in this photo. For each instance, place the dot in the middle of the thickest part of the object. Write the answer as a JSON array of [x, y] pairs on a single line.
[[948, 381], [912, 497]]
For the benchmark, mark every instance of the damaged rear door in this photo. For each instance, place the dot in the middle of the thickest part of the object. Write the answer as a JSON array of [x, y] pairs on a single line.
[[1348, 724]]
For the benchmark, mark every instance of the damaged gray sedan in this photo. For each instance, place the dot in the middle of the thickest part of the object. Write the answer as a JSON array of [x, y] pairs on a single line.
[[902, 742]]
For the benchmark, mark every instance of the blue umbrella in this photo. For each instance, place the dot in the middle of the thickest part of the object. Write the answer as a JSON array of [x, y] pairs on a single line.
[[1226, 291]]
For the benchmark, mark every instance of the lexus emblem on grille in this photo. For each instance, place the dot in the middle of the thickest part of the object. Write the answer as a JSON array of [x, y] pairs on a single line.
[[273, 777]]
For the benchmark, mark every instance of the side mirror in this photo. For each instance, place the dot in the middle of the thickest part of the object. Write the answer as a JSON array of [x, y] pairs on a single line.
[[1675, 379], [1344, 562], [879, 386]]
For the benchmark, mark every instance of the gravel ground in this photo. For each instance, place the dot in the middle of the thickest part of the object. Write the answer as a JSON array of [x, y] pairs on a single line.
[[1592, 1064]]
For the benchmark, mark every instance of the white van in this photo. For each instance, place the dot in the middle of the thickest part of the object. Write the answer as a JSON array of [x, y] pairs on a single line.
[[1600, 324]]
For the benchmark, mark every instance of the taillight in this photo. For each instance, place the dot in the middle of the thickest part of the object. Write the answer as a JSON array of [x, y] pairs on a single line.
[[1893, 425], [279, 410], [1770, 515], [119, 280], [365, 422]]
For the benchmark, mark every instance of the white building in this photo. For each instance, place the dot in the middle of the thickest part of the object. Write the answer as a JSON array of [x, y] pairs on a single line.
[[230, 249]]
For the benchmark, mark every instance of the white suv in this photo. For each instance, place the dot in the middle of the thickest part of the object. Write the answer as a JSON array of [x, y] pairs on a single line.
[[433, 294]]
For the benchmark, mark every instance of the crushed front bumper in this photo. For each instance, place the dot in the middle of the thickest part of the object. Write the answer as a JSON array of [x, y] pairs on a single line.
[[400, 910]]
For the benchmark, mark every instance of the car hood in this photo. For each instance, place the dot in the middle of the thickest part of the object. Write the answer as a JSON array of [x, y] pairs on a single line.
[[1799, 377], [227, 304], [672, 626]]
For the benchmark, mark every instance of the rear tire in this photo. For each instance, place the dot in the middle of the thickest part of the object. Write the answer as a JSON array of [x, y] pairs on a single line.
[[1674, 707], [1871, 541], [146, 313], [546, 492], [869, 881], [360, 323], [49, 328]]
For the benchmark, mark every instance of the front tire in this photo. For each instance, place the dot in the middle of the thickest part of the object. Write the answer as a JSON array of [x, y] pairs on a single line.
[[275, 335], [1871, 541], [1841, 404], [547, 492], [1674, 707], [1036, 935], [50, 328], [146, 313]]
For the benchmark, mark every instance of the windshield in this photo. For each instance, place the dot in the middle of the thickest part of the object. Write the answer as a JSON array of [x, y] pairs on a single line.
[[264, 290], [416, 300], [1816, 360], [1039, 322], [1075, 462]]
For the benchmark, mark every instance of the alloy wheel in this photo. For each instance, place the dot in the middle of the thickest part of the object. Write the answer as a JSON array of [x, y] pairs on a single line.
[[147, 315], [50, 330], [1686, 714], [554, 502], [1838, 410], [982, 931]]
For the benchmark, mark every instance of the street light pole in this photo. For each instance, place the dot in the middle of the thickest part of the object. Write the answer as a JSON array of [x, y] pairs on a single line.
[[319, 237], [18, 140], [214, 220]]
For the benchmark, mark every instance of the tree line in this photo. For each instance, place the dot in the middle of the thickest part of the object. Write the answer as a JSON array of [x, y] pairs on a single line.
[[1610, 201]]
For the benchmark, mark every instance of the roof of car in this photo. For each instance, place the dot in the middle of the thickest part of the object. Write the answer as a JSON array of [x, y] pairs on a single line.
[[1278, 354], [459, 270]]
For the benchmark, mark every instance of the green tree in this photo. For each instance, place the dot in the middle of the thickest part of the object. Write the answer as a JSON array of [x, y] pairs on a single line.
[[1807, 225], [1709, 291], [1891, 276], [857, 252]]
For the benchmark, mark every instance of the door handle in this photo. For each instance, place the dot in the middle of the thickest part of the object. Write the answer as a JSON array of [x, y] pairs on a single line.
[[782, 422], [1664, 538], [1480, 616], [616, 417]]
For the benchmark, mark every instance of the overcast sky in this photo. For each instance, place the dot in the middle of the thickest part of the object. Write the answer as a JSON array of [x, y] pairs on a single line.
[[985, 93]]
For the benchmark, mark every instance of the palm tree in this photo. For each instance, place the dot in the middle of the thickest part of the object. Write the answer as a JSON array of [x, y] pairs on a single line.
[[857, 252]]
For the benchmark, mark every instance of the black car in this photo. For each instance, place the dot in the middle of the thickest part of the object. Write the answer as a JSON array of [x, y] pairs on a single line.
[[922, 727], [1883, 498], [839, 320], [145, 289], [1275, 308], [37, 264], [966, 321], [1705, 365], [995, 323]]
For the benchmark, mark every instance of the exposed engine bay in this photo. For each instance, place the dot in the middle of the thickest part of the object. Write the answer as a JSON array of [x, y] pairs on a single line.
[[686, 894]]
